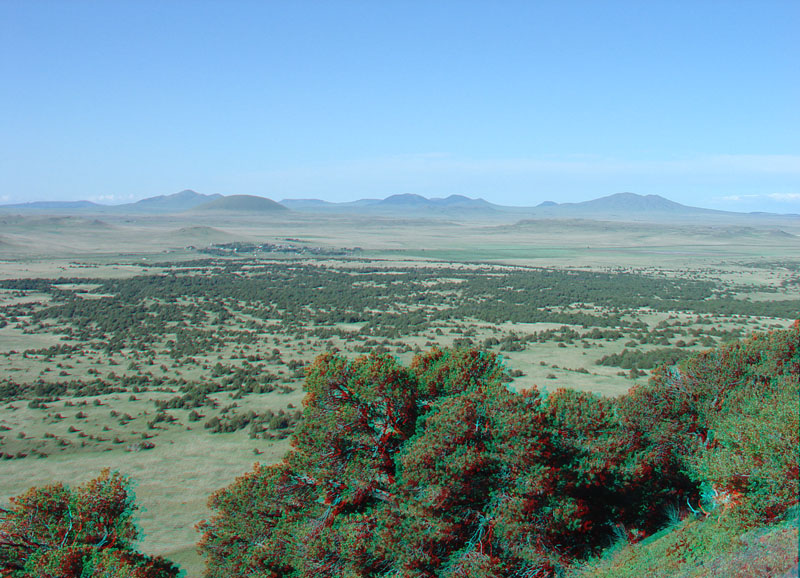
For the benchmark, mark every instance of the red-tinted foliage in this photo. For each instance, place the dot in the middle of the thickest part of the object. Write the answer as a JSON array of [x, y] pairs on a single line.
[[53, 531], [315, 512], [712, 416], [441, 471], [356, 416], [246, 537], [616, 475], [444, 372]]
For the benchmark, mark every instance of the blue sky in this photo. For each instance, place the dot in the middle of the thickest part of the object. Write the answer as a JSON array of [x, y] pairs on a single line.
[[515, 102]]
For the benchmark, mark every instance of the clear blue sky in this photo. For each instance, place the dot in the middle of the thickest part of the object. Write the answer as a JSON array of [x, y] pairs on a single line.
[[515, 102]]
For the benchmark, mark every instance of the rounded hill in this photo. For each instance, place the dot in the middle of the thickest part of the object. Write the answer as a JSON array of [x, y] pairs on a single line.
[[242, 204], [200, 235]]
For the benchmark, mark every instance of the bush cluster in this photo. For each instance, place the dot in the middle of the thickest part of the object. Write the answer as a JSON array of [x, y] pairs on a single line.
[[439, 470], [88, 531]]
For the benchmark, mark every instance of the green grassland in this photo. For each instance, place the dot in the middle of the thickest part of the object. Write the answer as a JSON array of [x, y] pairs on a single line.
[[173, 349]]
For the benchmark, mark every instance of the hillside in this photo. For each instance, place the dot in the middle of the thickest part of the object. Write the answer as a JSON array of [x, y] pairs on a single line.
[[634, 203], [630, 206], [177, 202], [199, 236], [718, 547], [242, 204]]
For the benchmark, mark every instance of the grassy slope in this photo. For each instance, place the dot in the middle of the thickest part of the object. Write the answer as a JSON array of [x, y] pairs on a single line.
[[703, 548]]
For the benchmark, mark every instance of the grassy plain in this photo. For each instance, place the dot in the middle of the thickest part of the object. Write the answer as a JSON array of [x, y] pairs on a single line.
[[157, 363]]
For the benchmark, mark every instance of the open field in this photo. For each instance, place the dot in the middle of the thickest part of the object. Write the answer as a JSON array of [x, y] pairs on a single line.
[[174, 349]]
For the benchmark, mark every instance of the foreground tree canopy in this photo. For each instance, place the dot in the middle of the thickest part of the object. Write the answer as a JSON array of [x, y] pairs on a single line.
[[56, 532], [439, 470]]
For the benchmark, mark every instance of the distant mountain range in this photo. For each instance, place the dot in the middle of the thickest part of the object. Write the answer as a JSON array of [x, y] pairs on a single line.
[[624, 202], [394, 204], [620, 206], [617, 207], [175, 203]]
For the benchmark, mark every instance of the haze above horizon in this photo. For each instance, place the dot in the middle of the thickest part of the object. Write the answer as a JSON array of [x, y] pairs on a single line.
[[516, 103]]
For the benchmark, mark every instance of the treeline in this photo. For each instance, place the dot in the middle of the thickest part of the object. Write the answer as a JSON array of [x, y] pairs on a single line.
[[637, 359], [12, 391], [260, 424], [390, 303], [239, 248]]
